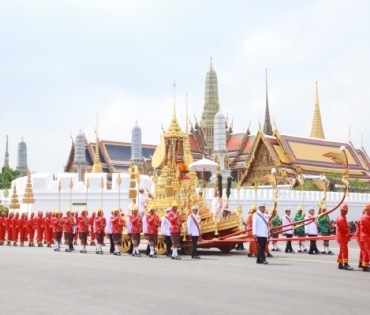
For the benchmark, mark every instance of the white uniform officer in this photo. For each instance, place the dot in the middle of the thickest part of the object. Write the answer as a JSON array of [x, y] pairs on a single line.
[[194, 231], [261, 232], [287, 219]]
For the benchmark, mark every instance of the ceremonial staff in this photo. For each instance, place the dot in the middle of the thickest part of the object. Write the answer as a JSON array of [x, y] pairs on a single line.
[[87, 185], [59, 189], [70, 194], [102, 190], [119, 182]]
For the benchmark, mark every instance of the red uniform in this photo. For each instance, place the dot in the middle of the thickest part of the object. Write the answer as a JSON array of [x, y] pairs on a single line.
[[175, 222], [117, 224], [153, 224], [40, 228], [22, 228], [99, 228], [136, 223], [342, 236], [365, 239], [9, 228], [68, 223], [358, 237], [252, 243], [48, 229], [2, 227], [56, 223], [92, 231], [15, 228], [83, 229], [31, 227]]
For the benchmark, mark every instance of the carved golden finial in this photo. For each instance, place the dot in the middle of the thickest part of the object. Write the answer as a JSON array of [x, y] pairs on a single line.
[[362, 139], [136, 121], [317, 130], [97, 168], [273, 121], [259, 125]]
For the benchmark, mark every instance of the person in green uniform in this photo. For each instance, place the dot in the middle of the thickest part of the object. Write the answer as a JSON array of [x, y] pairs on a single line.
[[275, 221], [300, 230], [325, 230]]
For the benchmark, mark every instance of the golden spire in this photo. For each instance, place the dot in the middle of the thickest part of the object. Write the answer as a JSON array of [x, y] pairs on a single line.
[[97, 168], [317, 131]]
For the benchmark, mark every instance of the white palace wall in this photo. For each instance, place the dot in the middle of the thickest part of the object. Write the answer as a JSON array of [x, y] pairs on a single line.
[[46, 195]]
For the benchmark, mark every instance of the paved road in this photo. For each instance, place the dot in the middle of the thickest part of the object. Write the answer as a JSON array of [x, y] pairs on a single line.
[[41, 281]]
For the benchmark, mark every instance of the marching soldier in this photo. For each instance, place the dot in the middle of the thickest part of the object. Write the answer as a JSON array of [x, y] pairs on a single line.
[[91, 224], [15, 229], [325, 227], [252, 252], [47, 225], [22, 229], [165, 230], [275, 221], [117, 225], [83, 230], [365, 238], [9, 228], [57, 230], [40, 228], [99, 228], [287, 219], [343, 237], [2, 227], [311, 230], [31, 227], [68, 225], [175, 221], [300, 230], [153, 223], [136, 224], [194, 231]]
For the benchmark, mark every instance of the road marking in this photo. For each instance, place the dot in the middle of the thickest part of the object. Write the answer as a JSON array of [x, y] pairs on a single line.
[[309, 260]]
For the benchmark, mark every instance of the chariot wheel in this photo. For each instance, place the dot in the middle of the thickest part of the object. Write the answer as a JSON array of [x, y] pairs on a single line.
[[161, 247], [186, 249], [126, 244]]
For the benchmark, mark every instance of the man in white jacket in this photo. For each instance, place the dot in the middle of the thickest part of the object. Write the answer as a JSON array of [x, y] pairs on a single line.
[[165, 230], [261, 232], [312, 231], [289, 231], [194, 230]]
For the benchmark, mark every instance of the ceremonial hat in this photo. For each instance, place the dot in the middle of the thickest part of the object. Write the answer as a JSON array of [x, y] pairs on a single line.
[[299, 208], [288, 209], [99, 209], [57, 211], [254, 207], [141, 188], [194, 207], [367, 207], [115, 209], [261, 204], [135, 208], [84, 209], [168, 209], [344, 207], [68, 210], [174, 204]]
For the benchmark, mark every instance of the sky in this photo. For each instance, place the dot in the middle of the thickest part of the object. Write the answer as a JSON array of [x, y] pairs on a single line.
[[62, 62]]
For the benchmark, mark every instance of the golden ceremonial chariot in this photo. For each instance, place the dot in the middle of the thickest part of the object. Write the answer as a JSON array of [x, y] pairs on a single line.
[[177, 183]]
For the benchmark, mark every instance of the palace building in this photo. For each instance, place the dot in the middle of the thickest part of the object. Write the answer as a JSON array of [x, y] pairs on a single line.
[[246, 156]]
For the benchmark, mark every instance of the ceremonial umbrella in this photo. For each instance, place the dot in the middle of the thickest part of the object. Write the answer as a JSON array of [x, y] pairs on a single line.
[[203, 165]]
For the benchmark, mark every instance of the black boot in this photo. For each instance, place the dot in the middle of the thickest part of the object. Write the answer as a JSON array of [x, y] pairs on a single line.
[[366, 269], [340, 266], [347, 267]]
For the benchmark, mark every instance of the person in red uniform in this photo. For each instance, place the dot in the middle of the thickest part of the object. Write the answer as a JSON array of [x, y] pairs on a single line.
[[365, 238], [76, 228], [9, 228], [358, 238], [57, 224], [175, 221], [31, 227], [2, 227], [343, 237], [154, 223], [83, 230], [47, 225], [40, 228], [51, 229], [117, 224], [15, 229], [136, 225], [22, 229], [68, 224], [92, 232], [99, 228]]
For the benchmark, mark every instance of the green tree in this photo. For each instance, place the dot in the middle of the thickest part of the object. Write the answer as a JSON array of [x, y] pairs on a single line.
[[307, 186], [7, 175]]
